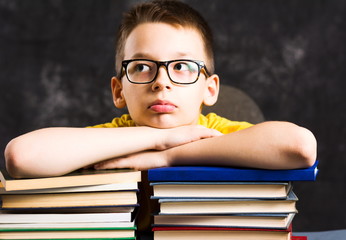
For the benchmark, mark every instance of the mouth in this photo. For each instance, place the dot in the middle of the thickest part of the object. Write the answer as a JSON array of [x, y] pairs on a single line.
[[161, 106]]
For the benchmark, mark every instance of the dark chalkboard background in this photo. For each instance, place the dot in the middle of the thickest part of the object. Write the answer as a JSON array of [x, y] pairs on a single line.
[[56, 60]]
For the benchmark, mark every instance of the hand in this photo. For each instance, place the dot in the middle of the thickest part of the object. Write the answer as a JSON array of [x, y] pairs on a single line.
[[185, 134], [168, 139], [139, 161]]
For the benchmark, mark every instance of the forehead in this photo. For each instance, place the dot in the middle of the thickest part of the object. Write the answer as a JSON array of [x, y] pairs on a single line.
[[161, 41]]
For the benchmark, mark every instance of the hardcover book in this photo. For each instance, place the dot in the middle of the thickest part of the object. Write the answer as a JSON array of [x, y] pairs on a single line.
[[115, 233], [266, 190], [77, 178], [225, 174], [126, 208], [227, 205], [51, 218], [274, 221], [92, 188], [299, 238], [196, 233], [73, 226], [61, 200]]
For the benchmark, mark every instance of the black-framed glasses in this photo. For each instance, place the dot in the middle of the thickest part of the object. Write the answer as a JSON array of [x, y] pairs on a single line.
[[181, 71]]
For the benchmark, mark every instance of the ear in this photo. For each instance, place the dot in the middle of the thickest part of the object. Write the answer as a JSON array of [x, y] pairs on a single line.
[[117, 93], [212, 90]]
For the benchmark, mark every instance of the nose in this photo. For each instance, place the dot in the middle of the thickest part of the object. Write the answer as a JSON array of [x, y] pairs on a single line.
[[162, 80]]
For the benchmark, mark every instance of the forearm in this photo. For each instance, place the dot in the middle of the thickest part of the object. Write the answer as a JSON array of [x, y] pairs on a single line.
[[56, 151], [270, 145]]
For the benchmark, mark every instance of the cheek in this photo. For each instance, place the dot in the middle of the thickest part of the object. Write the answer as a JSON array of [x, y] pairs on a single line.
[[194, 98], [130, 93], [201, 90]]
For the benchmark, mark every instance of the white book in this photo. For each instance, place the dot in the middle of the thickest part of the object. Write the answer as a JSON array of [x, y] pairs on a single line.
[[6, 218], [65, 226]]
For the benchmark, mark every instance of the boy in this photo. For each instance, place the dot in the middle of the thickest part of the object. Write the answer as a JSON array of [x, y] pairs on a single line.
[[165, 73]]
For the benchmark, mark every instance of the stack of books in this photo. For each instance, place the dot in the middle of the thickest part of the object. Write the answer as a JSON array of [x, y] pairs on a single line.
[[85, 204], [225, 203]]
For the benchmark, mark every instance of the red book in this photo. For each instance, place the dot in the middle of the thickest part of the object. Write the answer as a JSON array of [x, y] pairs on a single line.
[[299, 238], [219, 229], [218, 233]]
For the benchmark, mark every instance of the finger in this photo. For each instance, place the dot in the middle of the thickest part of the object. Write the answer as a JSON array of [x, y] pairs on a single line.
[[109, 164], [215, 133], [208, 132]]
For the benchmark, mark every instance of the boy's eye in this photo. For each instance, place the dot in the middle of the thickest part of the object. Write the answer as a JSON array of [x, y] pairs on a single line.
[[185, 66], [141, 68]]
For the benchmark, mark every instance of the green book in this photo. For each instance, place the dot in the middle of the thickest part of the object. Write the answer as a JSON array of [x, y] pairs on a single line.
[[69, 233]]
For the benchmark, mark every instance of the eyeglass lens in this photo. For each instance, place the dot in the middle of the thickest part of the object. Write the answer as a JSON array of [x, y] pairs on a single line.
[[142, 71]]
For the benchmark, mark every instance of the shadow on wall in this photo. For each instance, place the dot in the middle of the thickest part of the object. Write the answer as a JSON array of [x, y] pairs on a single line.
[[236, 105]]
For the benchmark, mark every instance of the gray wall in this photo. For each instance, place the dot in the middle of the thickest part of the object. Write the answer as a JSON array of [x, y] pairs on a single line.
[[56, 60]]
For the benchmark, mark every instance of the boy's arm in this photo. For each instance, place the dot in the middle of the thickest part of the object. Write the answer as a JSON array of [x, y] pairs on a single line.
[[57, 151], [269, 145]]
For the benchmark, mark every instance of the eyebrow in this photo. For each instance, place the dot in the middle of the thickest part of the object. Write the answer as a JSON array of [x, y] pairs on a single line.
[[141, 55]]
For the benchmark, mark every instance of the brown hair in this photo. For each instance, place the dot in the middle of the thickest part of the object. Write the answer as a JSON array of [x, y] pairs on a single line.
[[163, 11]]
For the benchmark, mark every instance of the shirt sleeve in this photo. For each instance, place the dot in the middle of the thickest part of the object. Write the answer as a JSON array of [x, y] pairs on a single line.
[[221, 124], [123, 121]]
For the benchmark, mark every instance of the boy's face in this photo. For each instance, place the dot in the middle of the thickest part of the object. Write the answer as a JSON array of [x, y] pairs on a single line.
[[162, 103]]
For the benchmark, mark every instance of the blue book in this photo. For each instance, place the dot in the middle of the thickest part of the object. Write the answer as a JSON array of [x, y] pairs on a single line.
[[219, 174]]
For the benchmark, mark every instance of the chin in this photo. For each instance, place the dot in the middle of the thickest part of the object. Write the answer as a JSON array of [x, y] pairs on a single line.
[[165, 124], [165, 121]]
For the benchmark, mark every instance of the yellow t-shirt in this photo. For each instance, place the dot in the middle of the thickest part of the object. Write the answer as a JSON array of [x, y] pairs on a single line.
[[211, 120]]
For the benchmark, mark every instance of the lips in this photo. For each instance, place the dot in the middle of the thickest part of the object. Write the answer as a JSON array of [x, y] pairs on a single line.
[[162, 106]]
